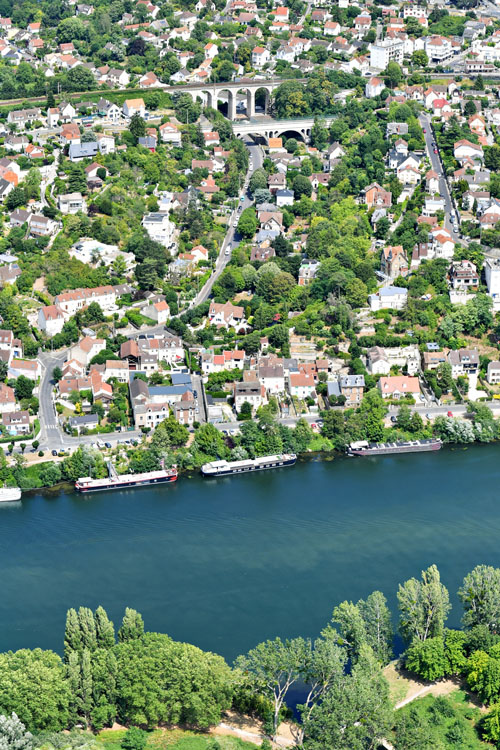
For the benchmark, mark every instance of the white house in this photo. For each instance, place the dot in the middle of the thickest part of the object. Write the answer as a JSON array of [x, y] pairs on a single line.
[[85, 349], [170, 133], [159, 228], [388, 298], [70, 302], [260, 56], [374, 87], [301, 385], [464, 149], [133, 107], [71, 203], [158, 311], [50, 319], [225, 315]]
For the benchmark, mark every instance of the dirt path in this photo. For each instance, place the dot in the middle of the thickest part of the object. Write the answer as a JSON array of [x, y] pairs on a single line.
[[405, 687], [251, 730]]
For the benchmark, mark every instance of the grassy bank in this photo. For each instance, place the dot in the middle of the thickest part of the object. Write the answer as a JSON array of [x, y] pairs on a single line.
[[175, 739]]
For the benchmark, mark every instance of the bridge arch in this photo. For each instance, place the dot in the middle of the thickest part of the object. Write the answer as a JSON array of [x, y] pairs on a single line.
[[262, 99], [228, 97]]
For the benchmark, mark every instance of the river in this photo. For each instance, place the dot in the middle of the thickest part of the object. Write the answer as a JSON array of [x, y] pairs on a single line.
[[227, 563]]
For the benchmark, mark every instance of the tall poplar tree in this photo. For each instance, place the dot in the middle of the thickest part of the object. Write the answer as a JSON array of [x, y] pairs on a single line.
[[132, 625], [72, 637], [423, 606], [105, 631]]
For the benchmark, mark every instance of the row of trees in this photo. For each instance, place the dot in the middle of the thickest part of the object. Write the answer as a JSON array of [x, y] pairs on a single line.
[[147, 679]]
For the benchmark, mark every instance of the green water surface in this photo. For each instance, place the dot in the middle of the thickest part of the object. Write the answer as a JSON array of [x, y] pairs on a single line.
[[227, 563]]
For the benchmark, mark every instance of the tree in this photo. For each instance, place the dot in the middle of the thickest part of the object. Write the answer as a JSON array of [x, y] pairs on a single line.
[[258, 180], [15, 198], [132, 626], [137, 127], [135, 739], [392, 75], [412, 731], [57, 374], [32, 183], [470, 108], [274, 667], [325, 664], [365, 623], [480, 596], [403, 419], [490, 725], [169, 433], [79, 79], [301, 186], [186, 110], [164, 682], [23, 388], [423, 606], [290, 100], [13, 734], [319, 134], [247, 224], [355, 712], [377, 618], [427, 658], [209, 441], [33, 686], [420, 58], [352, 628], [105, 632], [72, 637]]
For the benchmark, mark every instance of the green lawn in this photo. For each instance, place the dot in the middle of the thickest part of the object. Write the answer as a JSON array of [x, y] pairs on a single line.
[[450, 721], [176, 739]]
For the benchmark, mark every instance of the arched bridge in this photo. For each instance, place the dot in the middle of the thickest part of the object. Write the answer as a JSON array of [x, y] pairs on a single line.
[[247, 88], [300, 126]]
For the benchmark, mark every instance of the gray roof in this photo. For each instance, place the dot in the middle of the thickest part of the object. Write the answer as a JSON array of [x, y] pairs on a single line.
[[352, 381], [181, 378], [390, 291], [83, 420], [83, 150], [333, 388], [170, 390], [138, 388]]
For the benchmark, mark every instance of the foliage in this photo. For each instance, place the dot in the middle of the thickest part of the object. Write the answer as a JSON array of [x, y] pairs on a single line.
[[423, 606], [13, 734]]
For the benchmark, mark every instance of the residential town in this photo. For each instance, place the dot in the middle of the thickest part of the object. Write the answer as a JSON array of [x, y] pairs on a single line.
[[232, 208], [244, 236]]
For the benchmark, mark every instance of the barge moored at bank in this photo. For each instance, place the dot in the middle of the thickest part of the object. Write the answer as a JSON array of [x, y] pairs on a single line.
[[126, 481], [226, 468], [363, 448]]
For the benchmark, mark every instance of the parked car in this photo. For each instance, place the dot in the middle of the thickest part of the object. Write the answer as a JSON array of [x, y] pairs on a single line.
[[449, 414], [54, 452], [394, 419], [108, 445]]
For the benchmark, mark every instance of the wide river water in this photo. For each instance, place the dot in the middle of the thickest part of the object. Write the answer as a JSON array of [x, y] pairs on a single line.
[[227, 563]]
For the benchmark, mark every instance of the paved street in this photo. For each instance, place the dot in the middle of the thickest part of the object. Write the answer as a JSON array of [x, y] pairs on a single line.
[[444, 190], [232, 238]]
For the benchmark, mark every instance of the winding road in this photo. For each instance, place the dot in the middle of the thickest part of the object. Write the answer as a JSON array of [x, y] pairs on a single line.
[[232, 238]]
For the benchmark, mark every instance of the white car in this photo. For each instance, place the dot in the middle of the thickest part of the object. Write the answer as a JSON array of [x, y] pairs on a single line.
[[226, 251], [235, 224]]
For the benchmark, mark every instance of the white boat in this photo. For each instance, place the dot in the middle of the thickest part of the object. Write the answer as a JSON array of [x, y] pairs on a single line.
[[8, 494], [224, 468]]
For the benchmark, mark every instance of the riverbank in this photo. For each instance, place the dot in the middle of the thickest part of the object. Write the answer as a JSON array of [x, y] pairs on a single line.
[[190, 473]]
